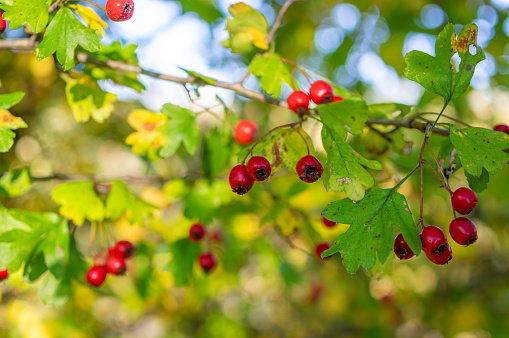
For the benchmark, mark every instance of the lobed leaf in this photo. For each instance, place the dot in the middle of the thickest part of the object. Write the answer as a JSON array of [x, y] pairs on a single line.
[[272, 72], [33, 13], [121, 201], [180, 129], [349, 115], [78, 200]]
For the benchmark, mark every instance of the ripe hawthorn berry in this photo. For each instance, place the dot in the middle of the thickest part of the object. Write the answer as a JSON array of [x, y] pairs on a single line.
[[4, 274], [96, 275], [309, 169], [464, 200], [321, 92], [240, 182], [321, 247], [337, 99], [115, 265], [463, 231], [327, 223], [197, 232], [298, 101], [442, 257], [433, 240], [258, 168], [245, 131], [207, 261], [401, 248], [123, 249], [3, 23], [499, 127], [119, 10]]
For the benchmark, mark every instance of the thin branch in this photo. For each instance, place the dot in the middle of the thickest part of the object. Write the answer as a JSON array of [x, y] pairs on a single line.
[[54, 6], [279, 20], [411, 124], [130, 179]]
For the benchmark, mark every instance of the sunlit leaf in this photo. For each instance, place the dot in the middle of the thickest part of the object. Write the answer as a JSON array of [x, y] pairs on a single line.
[[349, 115], [272, 72], [121, 201], [78, 200], [180, 129], [33, 13], [91, 18]]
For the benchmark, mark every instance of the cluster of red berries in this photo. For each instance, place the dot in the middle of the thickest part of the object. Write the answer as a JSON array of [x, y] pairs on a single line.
[[320, 92], [3, 23], [119, 10], [207, 260], [434, 242], [114, 263]]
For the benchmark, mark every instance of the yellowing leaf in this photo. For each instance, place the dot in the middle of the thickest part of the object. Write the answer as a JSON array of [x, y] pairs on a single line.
[[145, 120], [148, 138], [10, 121], [259, 39], [91, 18], [121, 201], [78, 200]]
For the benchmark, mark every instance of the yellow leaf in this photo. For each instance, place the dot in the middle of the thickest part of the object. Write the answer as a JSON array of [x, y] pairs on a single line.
[[155, 197], [145, 120], [91, 18], [239, 8], [10, 121], [259, 39]]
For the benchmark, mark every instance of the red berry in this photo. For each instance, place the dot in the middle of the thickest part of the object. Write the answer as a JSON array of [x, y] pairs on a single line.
[[4, 273], [197, 232], [115, 265], [502, 127], [258, 168], [337, 99], [96, 275], [401, 248], [298, 101], [321, 92], [240, 182], [441, 257], [124, 249], [120, 10], [309, 169], [245, 132], [464, 200], [207, 261], [463, 231], [3, 23], [327, 223], [433, 239], [321, 247]]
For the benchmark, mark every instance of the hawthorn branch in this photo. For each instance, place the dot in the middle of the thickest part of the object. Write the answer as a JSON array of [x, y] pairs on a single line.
[[279, 20], [134, 180]]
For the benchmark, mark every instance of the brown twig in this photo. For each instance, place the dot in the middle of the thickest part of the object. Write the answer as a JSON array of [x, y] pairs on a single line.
[[279, 20]]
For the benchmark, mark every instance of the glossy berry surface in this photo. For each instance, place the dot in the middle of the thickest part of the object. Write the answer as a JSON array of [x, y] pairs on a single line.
[[502, 127], [258, 168], [337, 99], [464, 200], [321, 92], [240, 182], [197, 232], [327, 223], [3, 23], [298, 101], [442, 257], [245, 131], [123, 249], [4, 274], [96, 275], [401, 248], [321, 247], [309, 169], [115, 265], [207, 261], [119, 10], [463, 231], [433, 239]]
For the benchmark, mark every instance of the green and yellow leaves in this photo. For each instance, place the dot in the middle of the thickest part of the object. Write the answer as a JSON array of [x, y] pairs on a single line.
[[63, 35], [121, 201], [349, 115], [344, 170], [15, 183], [148, 138], [8, 122], [437, 74], [78, 200], [371, 233], [247, 29], [180, 129], [480, 149], [33, 13], [90, 17], [272, 72]]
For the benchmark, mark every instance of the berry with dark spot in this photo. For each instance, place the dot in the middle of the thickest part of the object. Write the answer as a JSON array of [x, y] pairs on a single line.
[[123, 249], [464, 200], [321, 92], [258, 168], [197, 232], [240, 182], [433, 240], [309, 169], [463, 231], [115, 265], [298, 101], [119, 10], [401, 248], [207, 261], [442, 257], [245, 131]]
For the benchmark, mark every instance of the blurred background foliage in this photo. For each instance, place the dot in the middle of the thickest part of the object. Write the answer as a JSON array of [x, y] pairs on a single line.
[[268, 283]]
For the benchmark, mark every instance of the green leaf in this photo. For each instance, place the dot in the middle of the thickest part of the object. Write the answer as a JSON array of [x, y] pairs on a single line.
[[206, 198], [388, 111], [15, 183], [78, 200], [63, 35], [272, 72], [184, 255], [181, 128], [437, 74], [9, 100], [55, 292], [346, 171], [372, 223], [204, 8], [247, 29], [478, 184], [215, 153], [86, 99], [121, 201], [349, 115], [205, 80], [6, 139], [35, 267], [294, 148], [480, 148], [33, 13]]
